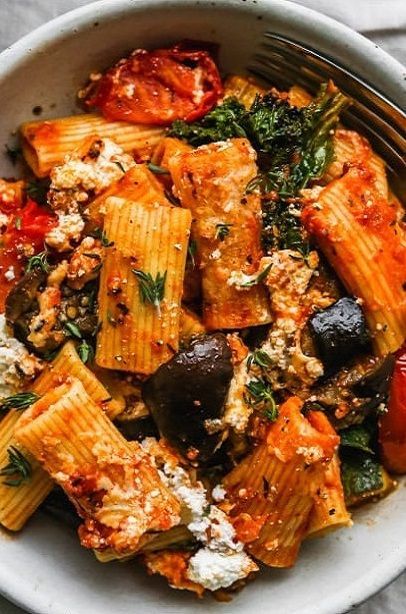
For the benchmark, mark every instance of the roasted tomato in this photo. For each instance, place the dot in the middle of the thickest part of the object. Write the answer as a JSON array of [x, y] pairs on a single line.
[[157, 87], [392, 425], [23, 237]]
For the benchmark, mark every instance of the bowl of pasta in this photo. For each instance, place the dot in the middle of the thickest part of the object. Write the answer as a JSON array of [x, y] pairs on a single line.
[[202, 312]]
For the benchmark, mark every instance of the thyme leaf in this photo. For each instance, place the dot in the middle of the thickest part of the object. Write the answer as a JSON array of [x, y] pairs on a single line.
[[258, 279], [18, 469], [86, 352], [39, 261], [260, 395], [72, 330], [151, 290], [222, 231], [19, 401]]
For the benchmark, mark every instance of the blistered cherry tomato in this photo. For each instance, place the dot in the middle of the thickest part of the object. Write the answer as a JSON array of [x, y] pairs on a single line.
[[392, 425], [158, 87]]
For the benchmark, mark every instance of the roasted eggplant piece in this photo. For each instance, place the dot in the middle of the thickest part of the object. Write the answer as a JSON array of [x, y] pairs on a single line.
[[361, 388], [339, 333], [21, 303], [137, 430], [186, 396]]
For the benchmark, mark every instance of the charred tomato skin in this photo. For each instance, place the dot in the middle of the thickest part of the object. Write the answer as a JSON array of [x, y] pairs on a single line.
[[188, 392]]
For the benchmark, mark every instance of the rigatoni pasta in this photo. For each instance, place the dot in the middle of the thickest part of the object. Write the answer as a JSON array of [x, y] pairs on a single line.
[[141, 285], [356, 228], [20, 495], [116, 491], [226, 230], [46, 143]]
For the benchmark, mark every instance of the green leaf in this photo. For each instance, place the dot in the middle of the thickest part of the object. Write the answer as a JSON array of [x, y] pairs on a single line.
[[258, 279], [222, 231], [86, 352], [358, 437], [72, 330], [223, 123], [260, 358], [151, 290], [360, 474], [157, 170], [191, 252], [39, 261], [20, 401], [260, 395], [18, 470]]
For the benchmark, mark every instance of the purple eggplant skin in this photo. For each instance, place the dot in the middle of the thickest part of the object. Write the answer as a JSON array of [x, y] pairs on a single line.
[[339, 333], [189, 390]]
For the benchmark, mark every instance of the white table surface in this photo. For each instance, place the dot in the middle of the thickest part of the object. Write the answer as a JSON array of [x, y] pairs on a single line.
[[384, 21]]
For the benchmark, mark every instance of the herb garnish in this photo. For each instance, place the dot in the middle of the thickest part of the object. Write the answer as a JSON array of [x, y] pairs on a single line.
[[151, 290], [38, 190], [157, 170], [19, 401], [260, 358], [39, 261], [18, 469], [191, 251], [98, 233], [222, 231], [258, 279], [260, 395], [86, 352], [17, 223], [72, 330]]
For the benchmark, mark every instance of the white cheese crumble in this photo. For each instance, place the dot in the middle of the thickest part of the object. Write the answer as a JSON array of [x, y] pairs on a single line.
[[218, 493], [80, 177], [215, 570], [3, 220], [16, 363], [10, 274], [222, 560], [68, 229]]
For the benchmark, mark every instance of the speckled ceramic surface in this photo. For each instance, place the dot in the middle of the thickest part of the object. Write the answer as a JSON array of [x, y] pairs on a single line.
[[44, 569]]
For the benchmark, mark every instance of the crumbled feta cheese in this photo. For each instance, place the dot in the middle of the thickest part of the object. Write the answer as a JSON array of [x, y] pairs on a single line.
[[78, 177], [211, 527], [215, 255], [68, 229], [218, 493], [215, 570], [10, 274], [16, 363]]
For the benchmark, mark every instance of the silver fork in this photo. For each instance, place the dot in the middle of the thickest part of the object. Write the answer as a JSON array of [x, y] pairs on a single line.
[[283, 62]]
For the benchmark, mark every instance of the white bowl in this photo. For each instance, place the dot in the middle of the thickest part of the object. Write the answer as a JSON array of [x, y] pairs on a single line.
[[44, 569]]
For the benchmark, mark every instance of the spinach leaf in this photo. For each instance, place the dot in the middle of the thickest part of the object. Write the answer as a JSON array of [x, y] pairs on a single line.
[[359, 437], [360, 474], [224, 122]]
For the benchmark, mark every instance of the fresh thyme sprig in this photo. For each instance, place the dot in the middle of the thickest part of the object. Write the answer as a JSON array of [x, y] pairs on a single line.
[[18, 469], [19, 401], [258, 279], [151, 290], [222, 231], [260, 395], [260, 358], [39, 261], [191, 250]]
